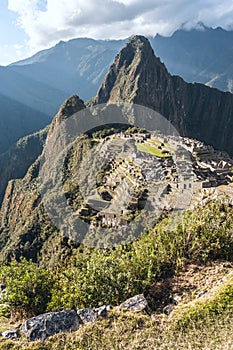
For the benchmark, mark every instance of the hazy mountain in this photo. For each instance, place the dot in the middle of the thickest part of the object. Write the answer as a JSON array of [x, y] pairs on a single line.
[[15, 162], [32, 90], [76, 66], [18, 120], [201, 55], [26, 106]]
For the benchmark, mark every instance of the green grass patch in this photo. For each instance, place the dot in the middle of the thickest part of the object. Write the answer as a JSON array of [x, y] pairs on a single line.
[[145, 148]]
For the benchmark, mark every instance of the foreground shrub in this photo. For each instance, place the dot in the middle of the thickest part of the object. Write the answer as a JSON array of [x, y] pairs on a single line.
[[98, 277], [28, 288]]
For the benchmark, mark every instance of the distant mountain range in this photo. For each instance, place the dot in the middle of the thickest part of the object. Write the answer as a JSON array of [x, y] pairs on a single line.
[[204, 55], [32, 90], [76, 66]]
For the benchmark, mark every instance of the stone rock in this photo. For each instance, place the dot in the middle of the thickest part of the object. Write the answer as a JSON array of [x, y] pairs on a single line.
[[109, 308], [10, 334], [2, 287], [45, 325], [168, 309], [203, 292], [90, 315], [102, 311], [136, 303], [87, 315], [175, 299]]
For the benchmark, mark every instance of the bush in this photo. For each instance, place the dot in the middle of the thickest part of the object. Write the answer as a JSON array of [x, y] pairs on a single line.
[[4, 310], [28, 288], [100, 277], [95, 276]]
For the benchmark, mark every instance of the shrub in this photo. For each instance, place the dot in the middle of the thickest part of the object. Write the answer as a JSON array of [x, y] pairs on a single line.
[[110, 277], [28, 288]]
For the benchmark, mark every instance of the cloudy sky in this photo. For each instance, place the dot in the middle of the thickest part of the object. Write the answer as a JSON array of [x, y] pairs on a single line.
[[27, 26]]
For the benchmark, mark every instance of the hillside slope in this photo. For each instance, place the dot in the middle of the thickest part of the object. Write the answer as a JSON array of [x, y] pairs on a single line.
[[15, 162]]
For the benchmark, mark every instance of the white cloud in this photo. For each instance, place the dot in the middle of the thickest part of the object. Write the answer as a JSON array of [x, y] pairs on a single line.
[[46, 22]]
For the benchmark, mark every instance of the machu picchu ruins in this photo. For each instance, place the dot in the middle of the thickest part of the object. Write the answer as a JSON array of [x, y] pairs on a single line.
[[145, 171]]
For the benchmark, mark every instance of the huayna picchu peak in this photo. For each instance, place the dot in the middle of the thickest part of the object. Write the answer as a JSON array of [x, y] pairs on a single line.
[[131, 65], [197, 111]]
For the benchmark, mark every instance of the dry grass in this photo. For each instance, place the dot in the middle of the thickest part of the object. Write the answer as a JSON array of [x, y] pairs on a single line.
[[129, 331]]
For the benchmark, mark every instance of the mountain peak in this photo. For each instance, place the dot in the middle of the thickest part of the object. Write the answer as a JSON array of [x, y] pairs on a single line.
[[137, 44], [139, 41], [135, 63], [138, 76], [71, 106]]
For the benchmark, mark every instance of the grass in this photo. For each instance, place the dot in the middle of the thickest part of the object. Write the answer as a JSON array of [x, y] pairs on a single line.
[[140, 331], [214, 303], [145, 148], [127, 331]]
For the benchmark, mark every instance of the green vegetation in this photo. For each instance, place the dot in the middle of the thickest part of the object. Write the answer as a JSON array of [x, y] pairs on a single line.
[[154, 151], [135, 129], [200, 311], [28, 288], [94, 277]]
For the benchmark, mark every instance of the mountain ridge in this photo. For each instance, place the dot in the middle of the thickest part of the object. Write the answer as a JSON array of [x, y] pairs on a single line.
[[197, 111]]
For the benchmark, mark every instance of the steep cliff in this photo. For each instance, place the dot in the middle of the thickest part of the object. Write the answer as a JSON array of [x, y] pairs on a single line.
[[26, 229], [196, 110]]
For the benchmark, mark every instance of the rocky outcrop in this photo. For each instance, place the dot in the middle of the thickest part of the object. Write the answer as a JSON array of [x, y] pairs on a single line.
[[196, 110], [10, 334], [43, 326], [71, 106], [136, 303]]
